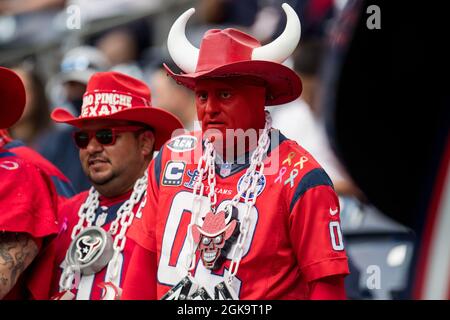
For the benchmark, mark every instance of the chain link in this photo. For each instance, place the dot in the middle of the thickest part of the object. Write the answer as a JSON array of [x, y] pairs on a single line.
[[248, 187], [205, 164], [124, 217], [70, 278], [252, 175], [86, 212]]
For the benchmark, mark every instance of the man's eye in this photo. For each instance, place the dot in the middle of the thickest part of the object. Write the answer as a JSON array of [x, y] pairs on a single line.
[[202, 96], [225, 95]]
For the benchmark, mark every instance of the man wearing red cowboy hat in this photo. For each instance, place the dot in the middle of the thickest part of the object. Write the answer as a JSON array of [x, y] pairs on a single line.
[[28, 199], [286, 241], [118, 131]]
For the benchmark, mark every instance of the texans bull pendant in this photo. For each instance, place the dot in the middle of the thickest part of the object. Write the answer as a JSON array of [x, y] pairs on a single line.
[[91, 250]]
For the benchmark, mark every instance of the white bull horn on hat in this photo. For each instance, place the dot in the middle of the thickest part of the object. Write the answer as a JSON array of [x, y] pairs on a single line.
[[283, 46], [183, 53]]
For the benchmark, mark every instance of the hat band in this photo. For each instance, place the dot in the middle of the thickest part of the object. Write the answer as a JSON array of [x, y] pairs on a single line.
[[99, 103]]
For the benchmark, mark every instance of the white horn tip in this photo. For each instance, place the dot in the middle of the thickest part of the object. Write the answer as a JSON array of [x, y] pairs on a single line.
[[183, 53], [286, 7], [187, 14]]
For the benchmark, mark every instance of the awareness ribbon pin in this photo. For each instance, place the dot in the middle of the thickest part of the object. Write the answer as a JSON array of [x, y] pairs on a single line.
[[280, 174], [300, 163], [294, 173], [289, 158]]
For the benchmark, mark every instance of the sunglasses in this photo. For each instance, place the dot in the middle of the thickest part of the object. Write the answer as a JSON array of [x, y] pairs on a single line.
[[105, 136]]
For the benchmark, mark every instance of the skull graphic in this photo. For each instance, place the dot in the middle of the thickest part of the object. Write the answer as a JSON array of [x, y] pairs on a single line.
[[211, 237]]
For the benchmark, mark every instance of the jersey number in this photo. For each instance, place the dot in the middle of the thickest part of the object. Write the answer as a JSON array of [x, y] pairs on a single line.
[[336, 236], [175, 248]]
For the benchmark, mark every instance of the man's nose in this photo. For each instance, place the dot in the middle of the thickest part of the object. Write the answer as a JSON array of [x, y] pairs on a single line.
[[94, 146], [212, 105]]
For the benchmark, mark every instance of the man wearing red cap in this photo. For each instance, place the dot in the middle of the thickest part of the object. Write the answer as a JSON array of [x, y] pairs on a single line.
[[28, 199], [232, 220], [118, 132]]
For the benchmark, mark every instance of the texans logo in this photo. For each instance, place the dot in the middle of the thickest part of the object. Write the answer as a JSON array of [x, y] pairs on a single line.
[[87, 248]]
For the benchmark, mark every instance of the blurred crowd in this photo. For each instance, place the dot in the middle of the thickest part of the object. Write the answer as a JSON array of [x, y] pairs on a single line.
[[55, 64]]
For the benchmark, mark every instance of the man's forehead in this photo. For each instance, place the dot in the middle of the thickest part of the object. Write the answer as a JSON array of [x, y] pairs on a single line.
[[104, 123], [213, 83]]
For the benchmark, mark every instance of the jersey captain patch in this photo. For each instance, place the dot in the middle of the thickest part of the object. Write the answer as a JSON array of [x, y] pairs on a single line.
[[173, 173], [182, 143]]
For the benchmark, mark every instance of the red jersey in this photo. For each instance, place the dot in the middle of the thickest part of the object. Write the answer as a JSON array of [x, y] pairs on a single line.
[[294, 236], [28, 203], [61, 182], [45, 283]]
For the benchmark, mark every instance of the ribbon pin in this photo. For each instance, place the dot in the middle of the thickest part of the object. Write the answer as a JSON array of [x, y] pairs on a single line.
[[280, 174], [289, 158], [300, 163], [294, 173]]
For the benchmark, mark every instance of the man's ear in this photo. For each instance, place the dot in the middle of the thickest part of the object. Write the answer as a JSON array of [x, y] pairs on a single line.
[[147, 141]]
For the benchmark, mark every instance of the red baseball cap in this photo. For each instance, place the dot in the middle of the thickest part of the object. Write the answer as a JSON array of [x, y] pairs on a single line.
[[12, 97], [116, 96]]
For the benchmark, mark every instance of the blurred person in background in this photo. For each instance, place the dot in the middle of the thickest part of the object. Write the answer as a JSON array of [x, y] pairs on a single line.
[[36, 116], [77, 66], [124, 45], [13, 7], [119, 46], [222, 14], [20, 137], [174, 98]]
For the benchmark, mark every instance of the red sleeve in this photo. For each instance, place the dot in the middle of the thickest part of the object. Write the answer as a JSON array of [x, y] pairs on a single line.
[[316, 234], [140, 280], [28, 200], [44, 279], [330, 288], [142, 231]]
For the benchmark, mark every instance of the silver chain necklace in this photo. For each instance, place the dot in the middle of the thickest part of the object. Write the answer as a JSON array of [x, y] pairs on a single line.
[[92, 248], [187, 286]]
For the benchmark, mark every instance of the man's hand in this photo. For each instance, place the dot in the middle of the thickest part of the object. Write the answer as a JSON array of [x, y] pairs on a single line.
[[17, 251]]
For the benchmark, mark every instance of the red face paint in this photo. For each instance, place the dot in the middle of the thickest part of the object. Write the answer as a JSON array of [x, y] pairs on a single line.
[[232, 103]]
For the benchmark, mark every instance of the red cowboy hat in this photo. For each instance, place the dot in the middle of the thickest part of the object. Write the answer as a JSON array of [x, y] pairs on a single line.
[[12, 98], [230, 53], [116, 96]]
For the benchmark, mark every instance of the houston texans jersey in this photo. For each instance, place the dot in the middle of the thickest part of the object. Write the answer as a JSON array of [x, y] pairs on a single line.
[[294, 236], [28, 204], [44, 284], [62, 184]]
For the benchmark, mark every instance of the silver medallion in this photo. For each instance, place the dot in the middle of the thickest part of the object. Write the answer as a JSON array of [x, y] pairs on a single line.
[[91, 250]]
